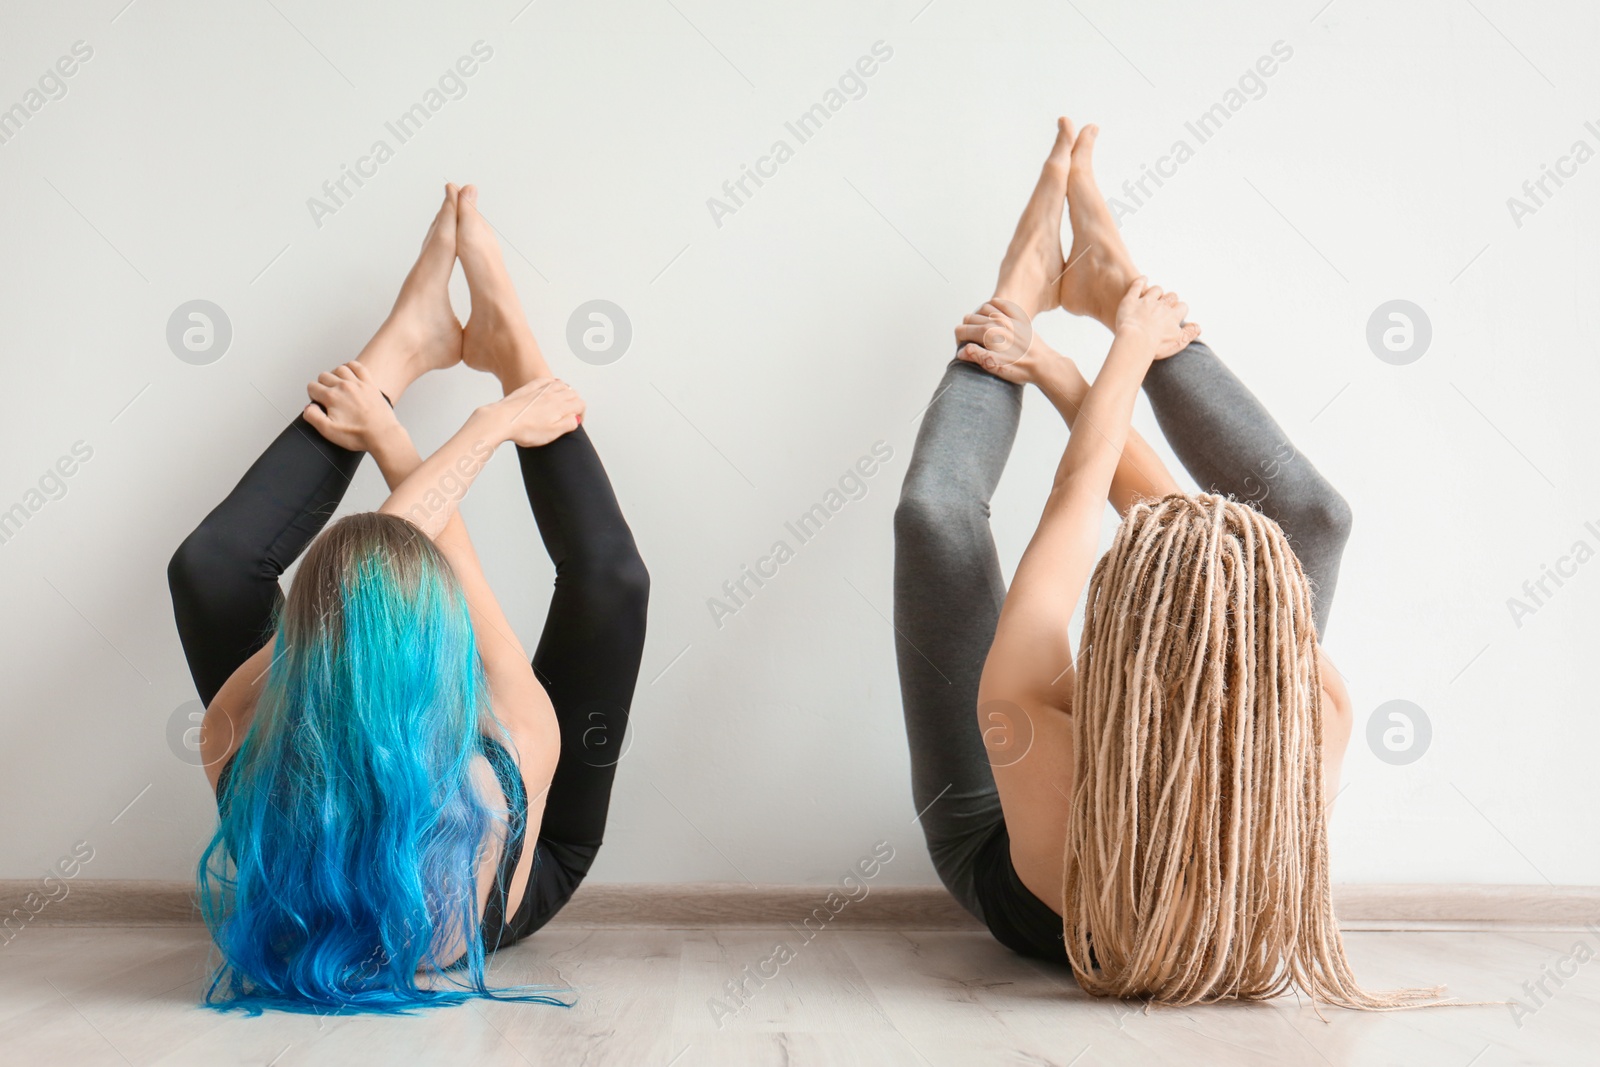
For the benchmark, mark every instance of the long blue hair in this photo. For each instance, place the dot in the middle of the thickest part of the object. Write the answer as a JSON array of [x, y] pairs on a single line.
[[347, 851]]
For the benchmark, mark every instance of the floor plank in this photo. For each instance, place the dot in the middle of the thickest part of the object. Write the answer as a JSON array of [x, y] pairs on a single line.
[[127, 997]]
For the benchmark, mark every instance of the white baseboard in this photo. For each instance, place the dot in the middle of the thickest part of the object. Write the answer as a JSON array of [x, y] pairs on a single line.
[[1360, 907]]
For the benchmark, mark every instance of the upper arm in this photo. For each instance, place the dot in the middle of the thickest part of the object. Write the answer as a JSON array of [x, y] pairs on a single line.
[[497, 642], [1031, 649], [1338, 716], [231, 711], [519, 703], [1025, 696], [1141, 475]]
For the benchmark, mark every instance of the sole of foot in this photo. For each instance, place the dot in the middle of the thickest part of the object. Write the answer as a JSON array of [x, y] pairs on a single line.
[[1031, 271], [1099, 268], [497, 339], [422, 332]]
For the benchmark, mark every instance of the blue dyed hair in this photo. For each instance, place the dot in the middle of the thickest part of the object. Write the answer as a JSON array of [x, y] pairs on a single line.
[[346, 855]]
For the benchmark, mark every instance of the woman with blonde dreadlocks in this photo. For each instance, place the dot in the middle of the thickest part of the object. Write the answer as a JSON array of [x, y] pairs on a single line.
[[1155, 812]]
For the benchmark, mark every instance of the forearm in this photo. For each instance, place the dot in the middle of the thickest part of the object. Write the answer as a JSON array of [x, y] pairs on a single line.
[[1103, 421], [1140, 475], [430, 491], [395, 456], [1031, 645]]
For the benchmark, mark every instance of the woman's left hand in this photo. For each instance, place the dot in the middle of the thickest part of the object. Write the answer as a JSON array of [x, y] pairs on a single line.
[[999, 338]]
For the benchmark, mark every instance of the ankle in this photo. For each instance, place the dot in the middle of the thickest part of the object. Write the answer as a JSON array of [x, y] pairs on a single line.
[[1028, 302], [521, 364], [393, 368], [1111, 296]]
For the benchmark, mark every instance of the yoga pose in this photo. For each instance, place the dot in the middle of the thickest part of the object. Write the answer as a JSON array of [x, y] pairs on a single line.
[[399, 792], [1155, 812]]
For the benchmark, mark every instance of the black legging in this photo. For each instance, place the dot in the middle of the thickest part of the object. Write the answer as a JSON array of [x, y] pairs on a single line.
[[225, 594]]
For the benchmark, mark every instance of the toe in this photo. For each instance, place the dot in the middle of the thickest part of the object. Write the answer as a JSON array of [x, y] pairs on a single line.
[[1065, 136], [1083, 150], [1059, 161]]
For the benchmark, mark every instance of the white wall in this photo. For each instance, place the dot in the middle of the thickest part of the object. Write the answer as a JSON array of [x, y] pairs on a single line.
[[771, 352]]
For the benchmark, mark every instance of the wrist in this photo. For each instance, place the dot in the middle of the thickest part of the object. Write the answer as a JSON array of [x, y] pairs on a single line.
[[395, 455], [388, 440], [1055, 378], [1133, 340], [492, 422]]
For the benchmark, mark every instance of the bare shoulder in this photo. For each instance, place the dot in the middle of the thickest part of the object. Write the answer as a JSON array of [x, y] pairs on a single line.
[[1336, 697], [530, 720], [231, 712]]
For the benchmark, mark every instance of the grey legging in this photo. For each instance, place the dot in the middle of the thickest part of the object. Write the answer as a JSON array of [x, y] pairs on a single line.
[[948, 588]]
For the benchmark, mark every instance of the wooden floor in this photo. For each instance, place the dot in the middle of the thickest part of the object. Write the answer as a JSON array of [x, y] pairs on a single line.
[[82, 995]]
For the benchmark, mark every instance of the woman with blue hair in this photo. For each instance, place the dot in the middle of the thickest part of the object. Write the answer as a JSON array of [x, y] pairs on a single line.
[[400, 792]]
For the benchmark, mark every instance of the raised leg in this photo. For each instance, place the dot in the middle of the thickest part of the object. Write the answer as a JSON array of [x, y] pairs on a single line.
[[224, 576], [1230, 444], [1222, 434], [588, 656], [947, 596], [948, 589]]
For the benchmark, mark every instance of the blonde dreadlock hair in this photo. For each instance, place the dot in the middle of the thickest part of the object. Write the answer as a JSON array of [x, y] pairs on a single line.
[[1197, 845]]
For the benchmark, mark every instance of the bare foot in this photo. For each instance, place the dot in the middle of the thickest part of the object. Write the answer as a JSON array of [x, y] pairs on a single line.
[[497, 338], [1099, 268], [422, 332], [1032, 266]]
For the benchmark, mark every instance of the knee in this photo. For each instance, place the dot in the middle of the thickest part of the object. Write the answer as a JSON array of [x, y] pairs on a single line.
[[629, 583], [212, 569], [928, 494], [616, 585], [935, 517], [1327, 518], [193, 565]]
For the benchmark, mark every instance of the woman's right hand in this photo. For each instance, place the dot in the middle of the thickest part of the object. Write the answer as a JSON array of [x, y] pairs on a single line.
[[348, 408], [541, 411], [1158, 316]]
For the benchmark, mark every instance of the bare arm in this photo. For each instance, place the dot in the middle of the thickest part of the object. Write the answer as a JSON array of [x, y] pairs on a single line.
[[517, 699], [428, 492], [1029, 732], [1030, 648], [1140, 474], [1337, 723], [1028, 673], [1000, 339], [505, 661]]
